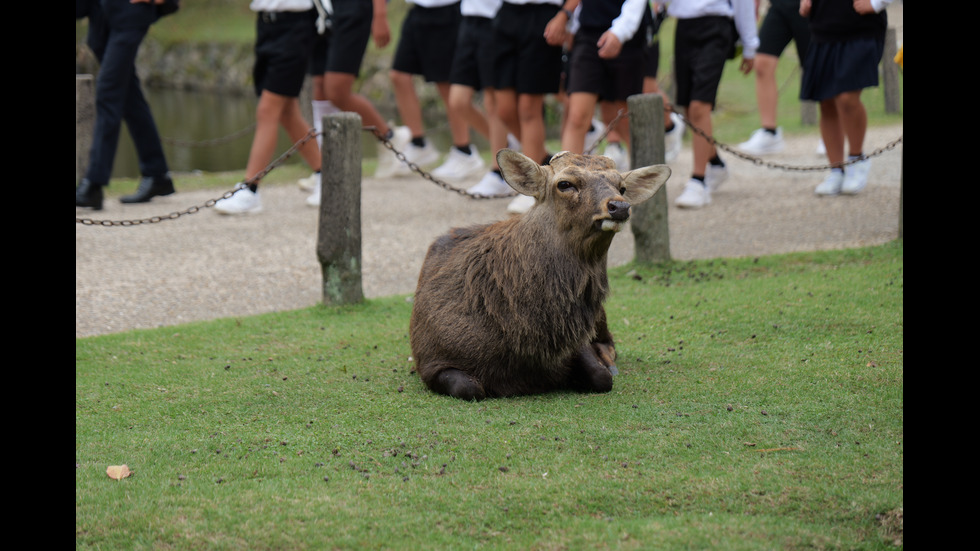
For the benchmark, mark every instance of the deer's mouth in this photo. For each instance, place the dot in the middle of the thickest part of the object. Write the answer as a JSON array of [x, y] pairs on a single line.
[[608, 224]]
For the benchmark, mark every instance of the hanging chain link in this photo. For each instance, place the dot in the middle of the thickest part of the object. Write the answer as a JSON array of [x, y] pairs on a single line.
[[210, 202], [769, 164]]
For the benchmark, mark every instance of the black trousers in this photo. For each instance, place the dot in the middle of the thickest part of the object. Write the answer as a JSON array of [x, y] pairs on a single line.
[[116, 30]]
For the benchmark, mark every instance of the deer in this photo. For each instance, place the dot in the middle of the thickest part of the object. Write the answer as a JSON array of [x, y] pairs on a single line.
[[516, 307]]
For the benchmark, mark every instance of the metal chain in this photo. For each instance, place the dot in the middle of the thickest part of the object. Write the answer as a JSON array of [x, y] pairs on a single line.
[[769, 164], [210, 202], [417, 169]]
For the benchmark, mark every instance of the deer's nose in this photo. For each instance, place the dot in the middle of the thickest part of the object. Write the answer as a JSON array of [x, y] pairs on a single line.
[[618, 210]]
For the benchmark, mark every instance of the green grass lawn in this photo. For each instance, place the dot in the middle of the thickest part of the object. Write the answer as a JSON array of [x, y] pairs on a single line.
[[759, 406]]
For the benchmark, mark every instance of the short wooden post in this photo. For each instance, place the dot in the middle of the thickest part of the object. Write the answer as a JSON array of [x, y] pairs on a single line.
[[84, 122], [338, 245], [649, 220], [889, 71]]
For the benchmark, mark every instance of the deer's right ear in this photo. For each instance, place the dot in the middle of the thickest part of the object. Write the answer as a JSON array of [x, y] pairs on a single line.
[[524, 175]]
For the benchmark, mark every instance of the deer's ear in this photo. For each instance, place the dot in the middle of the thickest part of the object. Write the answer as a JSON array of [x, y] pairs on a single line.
[[643, 182], [524, 175]]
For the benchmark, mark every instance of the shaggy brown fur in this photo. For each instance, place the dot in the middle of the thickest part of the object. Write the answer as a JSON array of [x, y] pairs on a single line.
[[516, 307]]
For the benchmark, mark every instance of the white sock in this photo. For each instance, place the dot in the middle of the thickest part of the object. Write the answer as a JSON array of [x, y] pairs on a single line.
[[321, 108]]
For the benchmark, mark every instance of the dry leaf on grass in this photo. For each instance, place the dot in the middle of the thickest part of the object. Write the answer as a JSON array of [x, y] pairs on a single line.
[[118, 472]]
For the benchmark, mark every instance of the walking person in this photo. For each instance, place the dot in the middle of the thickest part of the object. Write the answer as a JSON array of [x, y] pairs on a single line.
[[527, 46], [848, 41], [335, 66], [116, 30], [782, 24], [704, 40], [285, 33]]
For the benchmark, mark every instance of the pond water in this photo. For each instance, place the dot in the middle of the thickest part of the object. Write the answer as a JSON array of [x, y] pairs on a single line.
[[213, 132]]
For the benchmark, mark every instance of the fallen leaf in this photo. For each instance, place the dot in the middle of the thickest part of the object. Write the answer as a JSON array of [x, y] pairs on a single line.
[[118, 472]]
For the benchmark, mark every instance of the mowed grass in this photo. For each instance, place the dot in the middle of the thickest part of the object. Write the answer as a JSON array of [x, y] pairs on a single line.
[[759, 406]]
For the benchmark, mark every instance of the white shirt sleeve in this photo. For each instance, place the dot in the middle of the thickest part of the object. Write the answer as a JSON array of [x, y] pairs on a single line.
[[630, 16]]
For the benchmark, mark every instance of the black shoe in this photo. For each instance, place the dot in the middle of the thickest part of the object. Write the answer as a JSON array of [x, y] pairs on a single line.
[[149, 188], [88, 194]]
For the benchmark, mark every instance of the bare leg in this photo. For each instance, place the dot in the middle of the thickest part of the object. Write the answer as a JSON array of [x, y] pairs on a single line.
[[699, 113], [766, 91], [340, 91]]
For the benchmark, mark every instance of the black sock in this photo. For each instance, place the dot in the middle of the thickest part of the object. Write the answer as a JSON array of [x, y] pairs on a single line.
[[419, 141], [253, 187], [698, 178], [390, 134], [770, 130], [463, 148], [716, 161], [670, 127]]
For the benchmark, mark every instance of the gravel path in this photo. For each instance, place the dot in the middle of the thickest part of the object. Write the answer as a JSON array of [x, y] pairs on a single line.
[[207, 266]]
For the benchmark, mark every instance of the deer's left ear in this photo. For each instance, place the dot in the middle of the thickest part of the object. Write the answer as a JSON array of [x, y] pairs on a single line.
[[521, 173], [643, 182]]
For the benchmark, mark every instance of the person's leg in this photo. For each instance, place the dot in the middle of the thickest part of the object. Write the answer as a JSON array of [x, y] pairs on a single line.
[[766, 91], [297, 128], [853, 120], [407, 102], [699, 114], [458, 100], [268, 112], [832, 131], [581, 106], [531, 116], [340, 91]]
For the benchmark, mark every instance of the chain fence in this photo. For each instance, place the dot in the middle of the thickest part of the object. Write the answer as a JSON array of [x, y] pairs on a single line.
[[400, 155]]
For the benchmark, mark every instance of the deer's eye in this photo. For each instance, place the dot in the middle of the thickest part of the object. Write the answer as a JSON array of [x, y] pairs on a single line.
[[565, 186]]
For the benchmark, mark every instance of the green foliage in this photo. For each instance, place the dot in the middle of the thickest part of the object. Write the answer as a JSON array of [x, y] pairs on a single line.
[[759, 406]]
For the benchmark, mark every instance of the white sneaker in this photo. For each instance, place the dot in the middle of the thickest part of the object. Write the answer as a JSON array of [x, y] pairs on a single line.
[[694, 196], [513, 142], [616, 152], [674, 139], [763, 142], [311, 181], [714, 176], [491, 185], [855, 177], [460, 166], [314, 199], [593, 136], [520, 204], [388, 163], [421, 156], [831, 184], [821, 149], [244, 201]]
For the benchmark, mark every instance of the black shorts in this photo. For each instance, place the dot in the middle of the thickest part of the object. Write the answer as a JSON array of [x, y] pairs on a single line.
[[428, 42], [833, 68], [341, 49], [472, 63], [610, 79], [283, 42], [783, 23], [522, 59], [702, 46]]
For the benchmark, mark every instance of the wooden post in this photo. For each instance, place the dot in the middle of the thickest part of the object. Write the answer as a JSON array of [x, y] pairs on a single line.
[[338, 245], [649, 220], [889, 71], [84, 122]]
